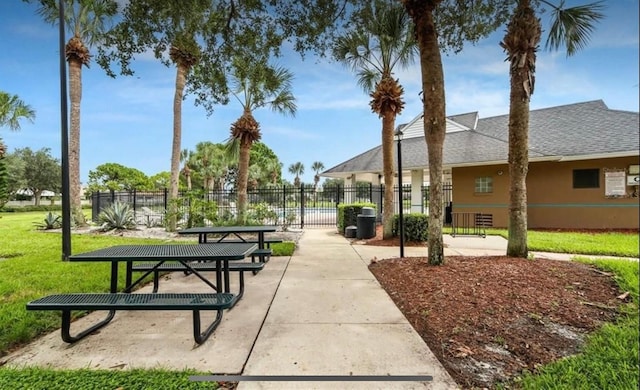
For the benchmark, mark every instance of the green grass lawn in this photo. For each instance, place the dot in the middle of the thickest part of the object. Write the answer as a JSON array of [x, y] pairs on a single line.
[[604, 244], [31, 267], [609, 359]]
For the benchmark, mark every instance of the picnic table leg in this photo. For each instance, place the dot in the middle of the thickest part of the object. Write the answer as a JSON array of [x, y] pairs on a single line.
[[225, 270], [66, 326], [201, 337], [114, 276], [129, 274]]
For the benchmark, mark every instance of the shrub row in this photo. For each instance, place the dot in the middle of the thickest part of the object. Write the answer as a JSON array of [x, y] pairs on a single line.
[[414, 227], [42, 207]]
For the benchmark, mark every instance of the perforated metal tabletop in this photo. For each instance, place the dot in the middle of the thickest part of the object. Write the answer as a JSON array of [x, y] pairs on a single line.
[[192, 252]]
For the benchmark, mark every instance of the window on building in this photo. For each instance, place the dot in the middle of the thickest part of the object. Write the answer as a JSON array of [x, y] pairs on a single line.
[[484, 185], [586, 178]]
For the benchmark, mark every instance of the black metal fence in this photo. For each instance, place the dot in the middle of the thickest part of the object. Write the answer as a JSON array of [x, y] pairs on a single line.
[[278, 205]]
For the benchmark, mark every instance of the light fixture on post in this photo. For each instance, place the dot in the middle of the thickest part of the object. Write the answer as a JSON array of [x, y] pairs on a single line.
[[398, 136]]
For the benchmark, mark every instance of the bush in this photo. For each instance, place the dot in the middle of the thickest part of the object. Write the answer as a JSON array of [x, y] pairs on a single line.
[[414, 227], [118, 215], [261, 214], [348, 214]]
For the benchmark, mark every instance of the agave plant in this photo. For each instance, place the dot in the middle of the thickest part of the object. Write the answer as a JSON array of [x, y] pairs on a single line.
[[118, 215], [51, 221]]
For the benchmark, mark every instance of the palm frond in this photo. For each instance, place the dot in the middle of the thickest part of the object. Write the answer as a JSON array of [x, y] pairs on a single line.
[[368, 78], [232, 148], [572, 27]]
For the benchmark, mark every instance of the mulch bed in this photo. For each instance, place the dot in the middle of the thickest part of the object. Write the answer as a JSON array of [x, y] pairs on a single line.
[[489, 318]]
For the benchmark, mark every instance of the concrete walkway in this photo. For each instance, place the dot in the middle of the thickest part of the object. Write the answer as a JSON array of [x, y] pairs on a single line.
[[330, 316]]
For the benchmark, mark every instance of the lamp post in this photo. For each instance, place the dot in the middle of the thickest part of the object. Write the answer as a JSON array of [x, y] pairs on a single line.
[[398, 136], [66, 199]]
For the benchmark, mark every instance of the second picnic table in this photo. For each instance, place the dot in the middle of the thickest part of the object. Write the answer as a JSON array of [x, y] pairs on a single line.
[[239, 232]]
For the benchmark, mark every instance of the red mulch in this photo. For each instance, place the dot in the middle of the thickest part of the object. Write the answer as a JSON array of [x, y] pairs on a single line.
[[489, 318]]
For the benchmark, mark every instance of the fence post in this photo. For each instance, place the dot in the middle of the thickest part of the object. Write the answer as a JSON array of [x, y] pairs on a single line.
[[134, 203], [302, 206], [165, 199], [284, 203], [95, 206], [113, 196]]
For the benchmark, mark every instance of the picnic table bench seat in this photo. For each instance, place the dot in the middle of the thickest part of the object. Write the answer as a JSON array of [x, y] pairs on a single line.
[[198, 266], [267, 241], [126, 301], [263, 254]]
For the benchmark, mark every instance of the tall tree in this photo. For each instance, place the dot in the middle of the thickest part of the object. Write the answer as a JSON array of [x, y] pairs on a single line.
[[317, 166], [12, 110], [444, 24], [4, 175], [274, 170], [296, 169], [256, 84], [174, 32], [87, 22], [41, 171], [570, 27], [210, 163], [383, 41], [270, 165], [117, 177]]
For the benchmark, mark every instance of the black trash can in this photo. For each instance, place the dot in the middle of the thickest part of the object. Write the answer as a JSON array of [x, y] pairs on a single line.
[[366, 226], [350, 231], [368, 211]]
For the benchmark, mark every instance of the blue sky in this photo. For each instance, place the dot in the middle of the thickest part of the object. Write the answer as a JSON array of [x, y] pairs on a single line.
[[128, 120]]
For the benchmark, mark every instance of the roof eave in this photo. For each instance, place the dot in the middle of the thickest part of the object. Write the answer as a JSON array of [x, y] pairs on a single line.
[[596, 156]]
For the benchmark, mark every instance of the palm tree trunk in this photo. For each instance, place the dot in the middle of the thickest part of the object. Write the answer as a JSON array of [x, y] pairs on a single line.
[[434, 125], [175, 147], [75, 96], [243, 177], [388, 122], [524, 27]]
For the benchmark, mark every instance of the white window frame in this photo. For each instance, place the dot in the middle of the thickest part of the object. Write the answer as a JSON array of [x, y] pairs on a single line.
[[484, 185]]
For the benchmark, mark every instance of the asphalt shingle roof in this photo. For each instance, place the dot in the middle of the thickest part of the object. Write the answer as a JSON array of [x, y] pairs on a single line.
[[580, 129]]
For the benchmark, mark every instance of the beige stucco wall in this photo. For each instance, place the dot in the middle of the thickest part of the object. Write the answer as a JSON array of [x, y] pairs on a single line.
[[552, 200]]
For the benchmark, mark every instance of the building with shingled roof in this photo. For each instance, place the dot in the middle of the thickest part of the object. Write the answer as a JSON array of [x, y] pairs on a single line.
[[583, 166]]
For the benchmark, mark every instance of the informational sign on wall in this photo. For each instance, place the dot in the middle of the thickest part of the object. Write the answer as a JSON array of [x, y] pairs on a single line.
[[615, 183]]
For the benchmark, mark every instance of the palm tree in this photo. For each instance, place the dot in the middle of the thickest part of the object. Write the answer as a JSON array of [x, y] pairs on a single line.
[[296, 169], [256, 85], [571, 27], [387, 40], [317, 166], [184, 53], [12, 109], [185, 157], [86, 21], [274, 170]]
